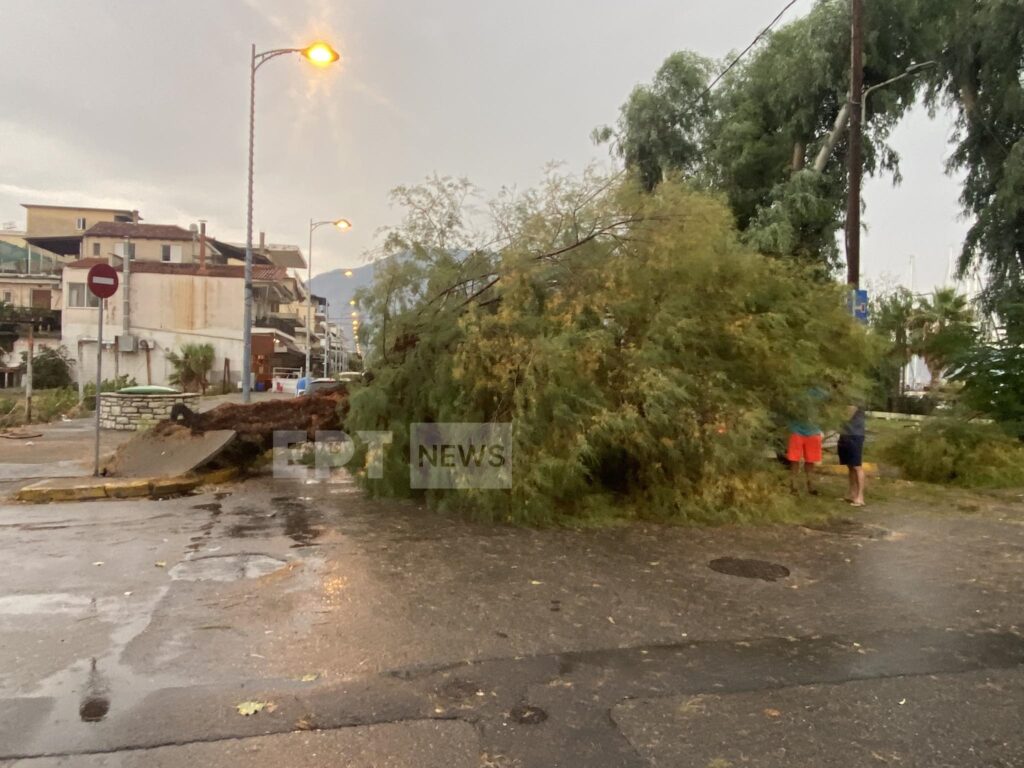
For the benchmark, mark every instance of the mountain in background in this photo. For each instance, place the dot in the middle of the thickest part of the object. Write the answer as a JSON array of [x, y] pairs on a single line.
[[339, 289]]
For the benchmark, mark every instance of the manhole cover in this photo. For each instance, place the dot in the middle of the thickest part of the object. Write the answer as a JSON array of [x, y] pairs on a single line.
[[844, 526], [749, 569], [226, 567], [527, 715]]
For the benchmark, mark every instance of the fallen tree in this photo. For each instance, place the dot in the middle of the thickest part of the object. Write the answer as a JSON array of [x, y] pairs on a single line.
[[260, 420]]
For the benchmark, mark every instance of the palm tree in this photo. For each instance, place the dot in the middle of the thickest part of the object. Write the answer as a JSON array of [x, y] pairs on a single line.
[[890, 317], [942, 329], [191, 367]]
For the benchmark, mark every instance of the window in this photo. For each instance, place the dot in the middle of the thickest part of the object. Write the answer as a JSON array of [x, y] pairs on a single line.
[[170, 253], [95, 249], [119, 250], [8, 297], [79, 295], [80, 223]]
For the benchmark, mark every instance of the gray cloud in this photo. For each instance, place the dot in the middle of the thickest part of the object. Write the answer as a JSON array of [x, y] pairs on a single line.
[[144, 104]]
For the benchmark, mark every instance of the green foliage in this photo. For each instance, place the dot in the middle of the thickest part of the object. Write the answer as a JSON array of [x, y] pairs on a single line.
[[191, 367], [942, 330], [756, 137], [992, 373], [661, 125], [51, 368], [753, 136], [982, 80], [49, 404], [107, 385], [960, 453], [639, 349]]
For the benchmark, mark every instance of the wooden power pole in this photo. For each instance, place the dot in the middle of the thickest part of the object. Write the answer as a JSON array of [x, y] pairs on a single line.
[[856, 161]]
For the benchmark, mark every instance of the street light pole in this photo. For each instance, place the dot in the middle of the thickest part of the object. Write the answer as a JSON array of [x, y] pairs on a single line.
[[855, 137], [247, 298], [343, 225], [321, 55]]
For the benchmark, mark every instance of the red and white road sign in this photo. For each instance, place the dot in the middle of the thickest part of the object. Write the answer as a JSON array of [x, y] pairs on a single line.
[[102, 281]]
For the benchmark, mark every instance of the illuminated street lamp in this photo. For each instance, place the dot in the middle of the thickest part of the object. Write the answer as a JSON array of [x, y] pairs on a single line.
[[319, 54], [343, 225]]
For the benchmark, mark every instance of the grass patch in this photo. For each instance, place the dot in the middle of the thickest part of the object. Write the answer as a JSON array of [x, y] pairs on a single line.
[[47, 405], [960, 453]]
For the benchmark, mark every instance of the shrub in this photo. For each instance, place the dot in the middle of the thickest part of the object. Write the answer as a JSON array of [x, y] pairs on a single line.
[[50, 404], [959, 452], [51, 368], [108, 385]]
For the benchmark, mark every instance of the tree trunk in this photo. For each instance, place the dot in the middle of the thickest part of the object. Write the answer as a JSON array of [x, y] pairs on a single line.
[[799, 150], [838, 129]]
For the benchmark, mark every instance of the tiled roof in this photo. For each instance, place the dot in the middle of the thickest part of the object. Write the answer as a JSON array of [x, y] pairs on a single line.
[[138, 231], [86, 263], [260, 272]]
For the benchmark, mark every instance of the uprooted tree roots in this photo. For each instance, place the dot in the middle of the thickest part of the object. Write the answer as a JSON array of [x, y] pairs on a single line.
[[256, 423]]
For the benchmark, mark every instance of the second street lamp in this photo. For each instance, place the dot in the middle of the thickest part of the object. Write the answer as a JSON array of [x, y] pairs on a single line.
[[343, 225], [319, 54]]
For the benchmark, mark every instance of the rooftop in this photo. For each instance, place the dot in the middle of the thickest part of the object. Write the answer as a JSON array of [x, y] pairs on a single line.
[[260, 272], [138, 231], [127, 211]]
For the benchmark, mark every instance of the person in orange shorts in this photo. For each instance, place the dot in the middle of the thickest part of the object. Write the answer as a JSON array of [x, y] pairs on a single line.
[[804, 446]]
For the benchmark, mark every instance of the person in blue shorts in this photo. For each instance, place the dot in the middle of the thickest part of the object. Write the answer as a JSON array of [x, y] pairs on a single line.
[[851, 454]]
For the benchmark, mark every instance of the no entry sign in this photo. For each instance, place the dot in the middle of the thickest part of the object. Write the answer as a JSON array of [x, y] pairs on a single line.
[[102, 281]]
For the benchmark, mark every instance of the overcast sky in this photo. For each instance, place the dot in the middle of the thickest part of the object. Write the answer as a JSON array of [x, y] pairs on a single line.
[[144, 104]]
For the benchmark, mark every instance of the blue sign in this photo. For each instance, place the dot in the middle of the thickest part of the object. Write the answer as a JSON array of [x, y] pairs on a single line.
[[858, 305]]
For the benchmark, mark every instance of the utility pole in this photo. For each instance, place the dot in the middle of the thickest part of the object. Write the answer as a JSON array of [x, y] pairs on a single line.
[[855, 137]]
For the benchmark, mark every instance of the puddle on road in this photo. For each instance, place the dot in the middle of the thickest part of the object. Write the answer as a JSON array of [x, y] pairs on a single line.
[[214, 507], [94, 709], [89, 691], [749, 569], [226, 567], [96, 703], [458, 690], [300, 521]]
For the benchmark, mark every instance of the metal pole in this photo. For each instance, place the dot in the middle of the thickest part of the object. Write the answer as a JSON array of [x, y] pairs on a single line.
[[855, 137], [309, 300], [327, 342], [29, 372], [99, 383], [247, 314]]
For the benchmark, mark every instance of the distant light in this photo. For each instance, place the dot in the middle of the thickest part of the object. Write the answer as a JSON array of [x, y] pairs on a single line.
[[321, 54], [355, 314], [343, 224], [353, 302], [348, 273]]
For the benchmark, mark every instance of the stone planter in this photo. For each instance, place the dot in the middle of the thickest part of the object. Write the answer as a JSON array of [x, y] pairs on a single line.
[[131, 412]]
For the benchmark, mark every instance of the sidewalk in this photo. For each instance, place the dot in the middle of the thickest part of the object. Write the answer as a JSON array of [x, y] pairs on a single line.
[[63, 449]]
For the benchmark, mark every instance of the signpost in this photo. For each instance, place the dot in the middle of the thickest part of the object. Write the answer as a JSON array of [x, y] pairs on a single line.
[[858, 304], [102, 283]]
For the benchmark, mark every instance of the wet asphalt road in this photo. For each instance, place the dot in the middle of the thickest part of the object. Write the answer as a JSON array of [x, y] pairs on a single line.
[[379, 634]]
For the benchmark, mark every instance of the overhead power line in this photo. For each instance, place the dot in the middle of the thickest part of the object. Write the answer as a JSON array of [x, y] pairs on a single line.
[[746, 50]]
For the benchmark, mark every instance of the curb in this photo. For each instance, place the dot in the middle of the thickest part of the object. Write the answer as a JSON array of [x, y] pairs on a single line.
[[91, 489]]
